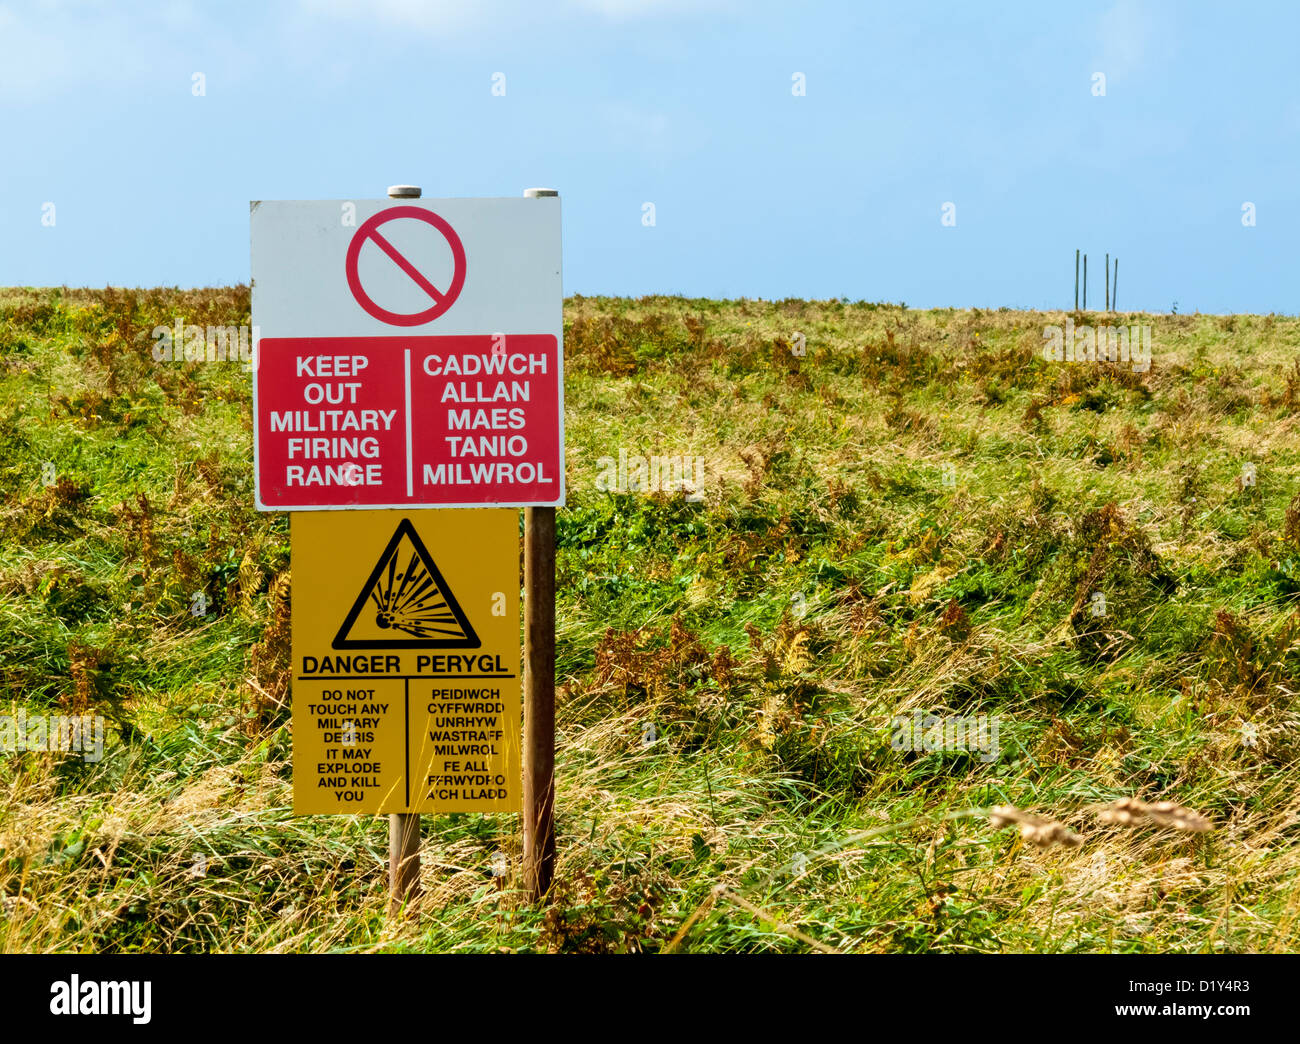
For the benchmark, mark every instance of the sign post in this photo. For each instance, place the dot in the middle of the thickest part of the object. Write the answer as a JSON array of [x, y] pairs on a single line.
[[403, 827], [539, 688], [410, 358], [539, 700]]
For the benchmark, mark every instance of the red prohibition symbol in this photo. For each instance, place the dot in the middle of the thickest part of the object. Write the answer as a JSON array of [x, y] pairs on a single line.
[[442, 299]]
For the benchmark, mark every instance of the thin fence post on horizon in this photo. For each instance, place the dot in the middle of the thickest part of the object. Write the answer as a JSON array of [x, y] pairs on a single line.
[[1076, 279]]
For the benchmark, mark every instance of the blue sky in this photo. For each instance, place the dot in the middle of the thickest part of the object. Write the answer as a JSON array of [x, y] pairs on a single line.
[[686, 104]]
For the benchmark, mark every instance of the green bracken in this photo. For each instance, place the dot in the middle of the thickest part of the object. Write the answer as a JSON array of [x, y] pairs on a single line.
[[901, 513]]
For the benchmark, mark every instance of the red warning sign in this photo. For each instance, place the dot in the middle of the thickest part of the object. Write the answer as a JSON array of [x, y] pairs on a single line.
[[408, 356], [399, 422], [370, 232]]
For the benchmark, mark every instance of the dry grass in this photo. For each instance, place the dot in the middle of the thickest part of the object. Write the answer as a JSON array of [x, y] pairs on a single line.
[[915, 517]]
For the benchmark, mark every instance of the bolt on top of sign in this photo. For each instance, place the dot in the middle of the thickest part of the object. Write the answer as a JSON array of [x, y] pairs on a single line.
[[410, 354]]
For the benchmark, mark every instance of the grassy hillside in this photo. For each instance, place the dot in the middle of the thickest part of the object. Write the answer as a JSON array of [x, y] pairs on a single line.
[[916, 515]]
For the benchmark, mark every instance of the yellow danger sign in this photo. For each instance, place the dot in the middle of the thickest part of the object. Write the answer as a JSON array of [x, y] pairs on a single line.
[[406, 693]]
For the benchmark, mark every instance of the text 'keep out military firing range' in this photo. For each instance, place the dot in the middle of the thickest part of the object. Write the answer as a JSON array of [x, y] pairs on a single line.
[[407, 400]]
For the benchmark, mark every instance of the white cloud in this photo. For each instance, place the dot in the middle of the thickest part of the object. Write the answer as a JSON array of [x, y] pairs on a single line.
[[1127, 31], [626, 9], [444, 18], [50, 47], [427, 16], [47, 45]]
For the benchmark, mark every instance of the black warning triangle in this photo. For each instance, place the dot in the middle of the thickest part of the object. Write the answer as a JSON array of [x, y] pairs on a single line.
[[406, 603]]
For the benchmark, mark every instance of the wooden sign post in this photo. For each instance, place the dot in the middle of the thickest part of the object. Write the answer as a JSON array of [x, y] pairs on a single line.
[[403, 827], [538, 811], [539, 689]]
